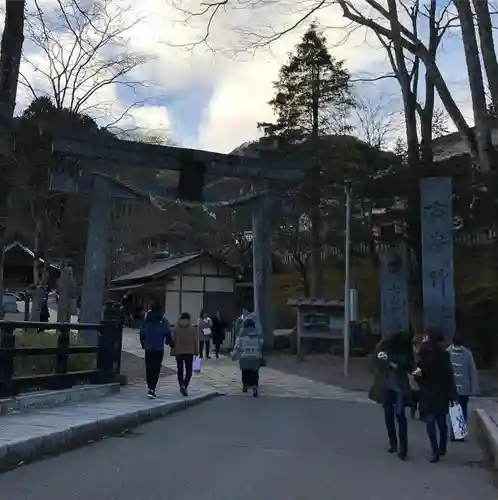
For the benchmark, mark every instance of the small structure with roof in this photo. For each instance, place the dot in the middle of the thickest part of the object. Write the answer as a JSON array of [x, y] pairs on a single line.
[[182, 283], [317, 319]]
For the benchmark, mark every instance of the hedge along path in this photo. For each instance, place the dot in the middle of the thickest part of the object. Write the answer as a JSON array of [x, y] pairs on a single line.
[[40, 365]]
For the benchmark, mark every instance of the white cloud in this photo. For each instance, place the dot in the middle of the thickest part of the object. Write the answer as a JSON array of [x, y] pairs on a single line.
[[242, 83]]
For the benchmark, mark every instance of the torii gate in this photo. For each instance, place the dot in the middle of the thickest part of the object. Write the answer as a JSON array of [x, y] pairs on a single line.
[[99, 153]]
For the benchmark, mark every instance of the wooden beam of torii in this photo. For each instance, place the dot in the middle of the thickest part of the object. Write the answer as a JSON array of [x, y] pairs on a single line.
[[102, 154]]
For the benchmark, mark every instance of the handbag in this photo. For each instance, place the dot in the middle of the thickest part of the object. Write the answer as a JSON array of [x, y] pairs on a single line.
[[458, 423], [197, 364]]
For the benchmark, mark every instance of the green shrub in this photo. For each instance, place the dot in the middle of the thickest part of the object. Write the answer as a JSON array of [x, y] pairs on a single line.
[[41, 365]]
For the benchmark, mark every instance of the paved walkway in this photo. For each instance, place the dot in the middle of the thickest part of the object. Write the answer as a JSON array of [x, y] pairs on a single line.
[[31, 434], [236, 448], [224, 376]]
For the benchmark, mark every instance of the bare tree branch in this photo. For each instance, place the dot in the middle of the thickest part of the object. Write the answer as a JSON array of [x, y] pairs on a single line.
[[85, 46]]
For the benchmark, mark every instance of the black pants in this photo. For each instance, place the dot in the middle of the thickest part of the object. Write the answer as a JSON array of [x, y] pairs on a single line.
[[184, 369], [217, 346], [202, 344], [464, 403], [437, 431], [250, 378], [394, 411], [153, 362]]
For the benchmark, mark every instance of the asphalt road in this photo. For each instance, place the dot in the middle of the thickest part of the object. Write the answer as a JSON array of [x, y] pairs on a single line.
[[240, 448]]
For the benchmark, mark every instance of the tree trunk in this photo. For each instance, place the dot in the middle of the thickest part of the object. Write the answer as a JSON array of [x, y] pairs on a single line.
[[64, 289], [481, 115], [488, 52], [3, 231], [302, 269], [315, 219], [10, 60], [37, 248], [39, 296]]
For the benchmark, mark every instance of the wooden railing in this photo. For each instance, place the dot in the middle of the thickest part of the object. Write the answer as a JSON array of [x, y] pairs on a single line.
[[107, 354]]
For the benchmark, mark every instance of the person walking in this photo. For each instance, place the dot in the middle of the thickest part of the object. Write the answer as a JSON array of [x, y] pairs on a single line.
[[437, 391], [127, 303], [218, 333], [393, 361], [204, 326], [154, 333], [465, 374], [185, 345], [248, 350]]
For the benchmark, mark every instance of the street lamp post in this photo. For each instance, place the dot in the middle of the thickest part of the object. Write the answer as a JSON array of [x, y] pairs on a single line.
[[347, 293]]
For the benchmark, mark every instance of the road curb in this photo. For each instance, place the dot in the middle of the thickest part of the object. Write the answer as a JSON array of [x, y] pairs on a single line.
[[54, 443], [487, 436]]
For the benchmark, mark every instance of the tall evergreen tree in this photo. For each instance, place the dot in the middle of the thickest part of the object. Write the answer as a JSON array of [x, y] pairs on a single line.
[[313, 92], [312, 99]]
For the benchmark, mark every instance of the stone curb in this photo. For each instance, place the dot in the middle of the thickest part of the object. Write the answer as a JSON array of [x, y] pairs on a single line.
[[53, 443], [51, 399], [487, 435]]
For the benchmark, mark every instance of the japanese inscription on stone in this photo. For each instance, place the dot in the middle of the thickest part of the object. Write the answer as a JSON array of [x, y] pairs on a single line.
[[394, 291], [437, 254]]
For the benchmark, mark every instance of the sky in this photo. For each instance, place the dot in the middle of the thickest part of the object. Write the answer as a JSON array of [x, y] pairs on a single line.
[[211, 96]]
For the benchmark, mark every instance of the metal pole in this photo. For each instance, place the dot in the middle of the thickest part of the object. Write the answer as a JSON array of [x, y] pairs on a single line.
[[347, 305]]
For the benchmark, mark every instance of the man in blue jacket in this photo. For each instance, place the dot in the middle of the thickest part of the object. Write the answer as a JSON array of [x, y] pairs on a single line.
[[155, 332]]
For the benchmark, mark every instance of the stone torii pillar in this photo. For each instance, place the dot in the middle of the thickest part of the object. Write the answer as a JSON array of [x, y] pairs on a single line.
[[262, 269], [92, 294]]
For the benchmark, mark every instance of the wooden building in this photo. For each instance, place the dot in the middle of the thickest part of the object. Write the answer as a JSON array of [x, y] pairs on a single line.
[[186, 283]]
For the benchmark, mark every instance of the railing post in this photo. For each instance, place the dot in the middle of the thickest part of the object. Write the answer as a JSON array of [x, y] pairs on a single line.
[[7, 344], [104, 353], [62, 360], [118, 348], [113, 313]]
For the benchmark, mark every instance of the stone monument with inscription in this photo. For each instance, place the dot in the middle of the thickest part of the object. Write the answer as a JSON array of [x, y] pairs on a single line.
[[437, 254], [394, 291]]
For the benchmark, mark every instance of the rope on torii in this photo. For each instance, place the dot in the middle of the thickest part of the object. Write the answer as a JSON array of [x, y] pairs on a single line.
[[162, 202]]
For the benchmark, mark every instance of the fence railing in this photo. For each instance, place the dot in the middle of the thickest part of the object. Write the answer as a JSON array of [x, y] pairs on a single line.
[[107, 354]]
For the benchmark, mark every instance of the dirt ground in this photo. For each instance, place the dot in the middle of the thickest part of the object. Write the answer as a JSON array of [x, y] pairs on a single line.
[[329, 369], [134, 368]]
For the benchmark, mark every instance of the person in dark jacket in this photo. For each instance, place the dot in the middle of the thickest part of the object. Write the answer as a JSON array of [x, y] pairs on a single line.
[[393, 361], [437, 390], [218, 333], [154, 333]]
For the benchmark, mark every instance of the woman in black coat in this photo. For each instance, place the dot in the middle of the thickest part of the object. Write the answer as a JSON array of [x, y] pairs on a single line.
[[437, 390], [392, 362], [218, 332]]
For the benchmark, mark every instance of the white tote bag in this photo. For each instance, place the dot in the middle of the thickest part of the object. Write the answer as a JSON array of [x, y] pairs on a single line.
[[197, 364], [458, 423]]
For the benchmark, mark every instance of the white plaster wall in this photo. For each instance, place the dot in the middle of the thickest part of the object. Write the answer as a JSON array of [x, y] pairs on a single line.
[[219, 284], [192, 283], [172, 306], [192, 303]]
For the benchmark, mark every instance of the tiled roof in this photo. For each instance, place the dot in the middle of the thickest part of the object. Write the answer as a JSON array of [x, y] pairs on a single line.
[[155, 269], [17, 244], [314, 302]]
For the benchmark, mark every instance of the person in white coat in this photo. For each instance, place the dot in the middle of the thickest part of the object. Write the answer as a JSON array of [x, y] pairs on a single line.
[[204, 326]]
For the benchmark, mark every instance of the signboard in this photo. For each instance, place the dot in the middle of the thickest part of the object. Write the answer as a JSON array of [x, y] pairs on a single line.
[[394, 291], [437, 254]]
